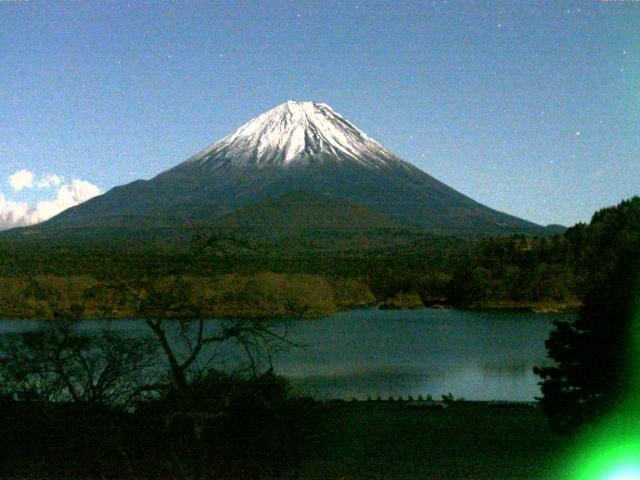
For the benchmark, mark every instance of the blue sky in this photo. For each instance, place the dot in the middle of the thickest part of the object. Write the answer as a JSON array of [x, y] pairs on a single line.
[[528, 107]]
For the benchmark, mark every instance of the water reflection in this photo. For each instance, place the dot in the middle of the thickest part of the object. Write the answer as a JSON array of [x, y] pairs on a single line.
[[506, 369], [476, 355], [382, 353]]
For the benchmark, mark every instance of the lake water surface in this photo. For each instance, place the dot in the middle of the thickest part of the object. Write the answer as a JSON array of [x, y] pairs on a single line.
[[383, 353]]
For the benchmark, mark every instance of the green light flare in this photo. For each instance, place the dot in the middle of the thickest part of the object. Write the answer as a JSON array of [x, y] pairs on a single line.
[[634, 371], [609, 452], [612, 450], [625, 473]]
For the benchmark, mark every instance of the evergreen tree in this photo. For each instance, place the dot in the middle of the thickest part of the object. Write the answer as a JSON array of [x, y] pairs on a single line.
[[594, 355]]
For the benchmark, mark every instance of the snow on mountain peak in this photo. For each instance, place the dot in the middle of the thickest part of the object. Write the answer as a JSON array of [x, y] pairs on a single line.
[[296, 131]]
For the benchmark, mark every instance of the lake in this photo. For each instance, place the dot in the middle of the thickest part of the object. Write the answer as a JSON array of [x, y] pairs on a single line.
[[381, 353]]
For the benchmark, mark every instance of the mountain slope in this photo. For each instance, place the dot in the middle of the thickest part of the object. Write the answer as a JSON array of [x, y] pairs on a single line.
[[295, 147]]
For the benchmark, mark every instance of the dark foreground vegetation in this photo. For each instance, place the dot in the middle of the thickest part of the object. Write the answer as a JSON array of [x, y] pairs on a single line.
[[236, 275], [229, 428], [77, 404], [597, 356]]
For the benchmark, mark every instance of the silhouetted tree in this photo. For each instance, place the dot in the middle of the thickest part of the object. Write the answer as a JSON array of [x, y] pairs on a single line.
[[191, 347], [185, 340], [59, 363], [594, 354]]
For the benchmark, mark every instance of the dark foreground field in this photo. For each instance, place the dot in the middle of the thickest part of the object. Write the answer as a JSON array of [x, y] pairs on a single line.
[[301, 440], [389, 440]]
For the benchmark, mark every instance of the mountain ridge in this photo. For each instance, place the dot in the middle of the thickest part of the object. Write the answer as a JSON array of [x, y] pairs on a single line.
[[296, 146]]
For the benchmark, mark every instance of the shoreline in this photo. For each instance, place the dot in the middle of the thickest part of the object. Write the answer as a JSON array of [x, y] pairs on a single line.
[[539, 308]]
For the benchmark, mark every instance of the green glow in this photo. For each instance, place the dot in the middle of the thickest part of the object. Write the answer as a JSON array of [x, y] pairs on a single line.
[[625, 473], [612, 450]]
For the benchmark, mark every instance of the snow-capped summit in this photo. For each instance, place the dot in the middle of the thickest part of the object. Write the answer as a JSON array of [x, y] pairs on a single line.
[[295, 132]]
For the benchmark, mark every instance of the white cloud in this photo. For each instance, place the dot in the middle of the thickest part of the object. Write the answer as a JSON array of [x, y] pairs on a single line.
[[48, 181], [15, 214], [68, 196], [22, 179], [19, 214], [26, 179]]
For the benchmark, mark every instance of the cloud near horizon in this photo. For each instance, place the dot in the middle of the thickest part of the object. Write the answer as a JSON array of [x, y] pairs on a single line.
[[21, 179], [21, 214], [48, 181]]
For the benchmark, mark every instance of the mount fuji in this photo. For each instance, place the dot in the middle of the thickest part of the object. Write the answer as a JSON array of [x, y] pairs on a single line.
[[300, 166]]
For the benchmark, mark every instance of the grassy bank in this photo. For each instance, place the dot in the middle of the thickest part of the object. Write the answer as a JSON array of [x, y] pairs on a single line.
[[389, 440]]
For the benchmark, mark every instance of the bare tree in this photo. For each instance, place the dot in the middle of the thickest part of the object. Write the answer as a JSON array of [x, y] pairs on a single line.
[[257, 339], [173, 309], [57, 362]]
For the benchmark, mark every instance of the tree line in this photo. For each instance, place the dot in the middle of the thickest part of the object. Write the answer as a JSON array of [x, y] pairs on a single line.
[[504, 271], [596, 357]]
